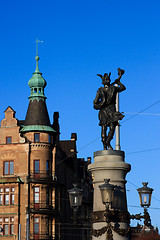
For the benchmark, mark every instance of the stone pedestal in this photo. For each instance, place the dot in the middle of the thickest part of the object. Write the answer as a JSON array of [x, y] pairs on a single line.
[[110, 164]]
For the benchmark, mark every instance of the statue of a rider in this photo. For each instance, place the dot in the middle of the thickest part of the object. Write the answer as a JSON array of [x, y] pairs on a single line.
[[105, 101]]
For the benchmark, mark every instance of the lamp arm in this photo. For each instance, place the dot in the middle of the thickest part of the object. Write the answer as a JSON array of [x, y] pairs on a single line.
[[136, 216]]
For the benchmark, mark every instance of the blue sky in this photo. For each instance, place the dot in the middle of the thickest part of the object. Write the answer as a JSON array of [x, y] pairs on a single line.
[[81, 39]]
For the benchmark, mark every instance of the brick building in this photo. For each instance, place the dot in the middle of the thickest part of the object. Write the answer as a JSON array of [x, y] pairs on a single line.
[[36, 172]]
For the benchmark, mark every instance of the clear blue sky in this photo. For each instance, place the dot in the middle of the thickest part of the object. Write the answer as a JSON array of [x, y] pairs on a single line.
[[81, 39]]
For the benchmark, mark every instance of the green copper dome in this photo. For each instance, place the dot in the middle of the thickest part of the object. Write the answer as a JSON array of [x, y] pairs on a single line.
[[37, 83], [37, 118]]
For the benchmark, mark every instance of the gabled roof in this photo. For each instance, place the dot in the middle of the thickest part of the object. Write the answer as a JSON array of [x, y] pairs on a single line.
[[9, 109]]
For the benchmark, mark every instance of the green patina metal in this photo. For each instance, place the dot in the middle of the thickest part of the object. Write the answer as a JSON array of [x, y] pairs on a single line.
[[39, 128], [11, 180], [8, 214], [37, 84], [37, 119]]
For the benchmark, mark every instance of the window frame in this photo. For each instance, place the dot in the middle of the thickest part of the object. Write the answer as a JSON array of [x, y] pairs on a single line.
[[9, 172], [49, 138], [10, 223], [12, 230], [4, 230], [7, 191], [12, 199], [1, 199], [36, 223], [36, 197], [36, 170], [5, 200], [36, 137], [48, 166], [9, 138]]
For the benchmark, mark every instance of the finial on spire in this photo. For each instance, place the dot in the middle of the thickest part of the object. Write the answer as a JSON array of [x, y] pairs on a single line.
[[37, 41], [37, 57]]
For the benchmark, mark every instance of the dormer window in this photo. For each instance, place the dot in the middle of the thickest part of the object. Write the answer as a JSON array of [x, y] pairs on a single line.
[[8, 140], [36, 137]]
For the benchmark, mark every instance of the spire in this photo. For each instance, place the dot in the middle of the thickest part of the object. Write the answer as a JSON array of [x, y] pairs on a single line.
[[37, 68], [37, 84], [37, 118], [37, 57]]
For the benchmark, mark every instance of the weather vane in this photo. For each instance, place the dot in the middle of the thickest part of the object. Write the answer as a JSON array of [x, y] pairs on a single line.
[[37, 41]]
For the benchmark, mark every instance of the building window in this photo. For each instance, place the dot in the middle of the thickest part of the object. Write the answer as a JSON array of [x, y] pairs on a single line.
[[12, 229], [6, 220], [6, 199], [47, 166], [7, 226], [36, 137], [36, 197], [8, 140], [36, 168], [7, 189], [6, 229], [7, 196], [36, 194], [47, 196], [12, 199], [12, 196], [36, 226], [8, 167]]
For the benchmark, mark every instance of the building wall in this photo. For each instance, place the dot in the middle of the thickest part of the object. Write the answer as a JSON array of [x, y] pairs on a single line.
[[19, 156], [14, 156], [39, 176]]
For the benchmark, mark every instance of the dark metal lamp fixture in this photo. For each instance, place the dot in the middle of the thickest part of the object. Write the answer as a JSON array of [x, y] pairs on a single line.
[[107, 191], [75, 198], [145, 194]]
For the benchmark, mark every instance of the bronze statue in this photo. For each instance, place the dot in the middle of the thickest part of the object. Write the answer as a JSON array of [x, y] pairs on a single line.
[[105, 101]]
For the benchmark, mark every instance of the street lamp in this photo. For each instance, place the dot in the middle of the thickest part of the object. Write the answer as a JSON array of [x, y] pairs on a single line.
[[107, 191], [145, 194], [75, 198]]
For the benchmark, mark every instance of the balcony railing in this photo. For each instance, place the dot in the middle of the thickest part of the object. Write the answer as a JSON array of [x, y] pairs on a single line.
[[42, 207], [41, 236], [41, 176]]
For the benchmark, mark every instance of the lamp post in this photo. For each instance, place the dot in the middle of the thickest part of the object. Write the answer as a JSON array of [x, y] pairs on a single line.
[[75, 198], [145, 194], [107, 191]]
